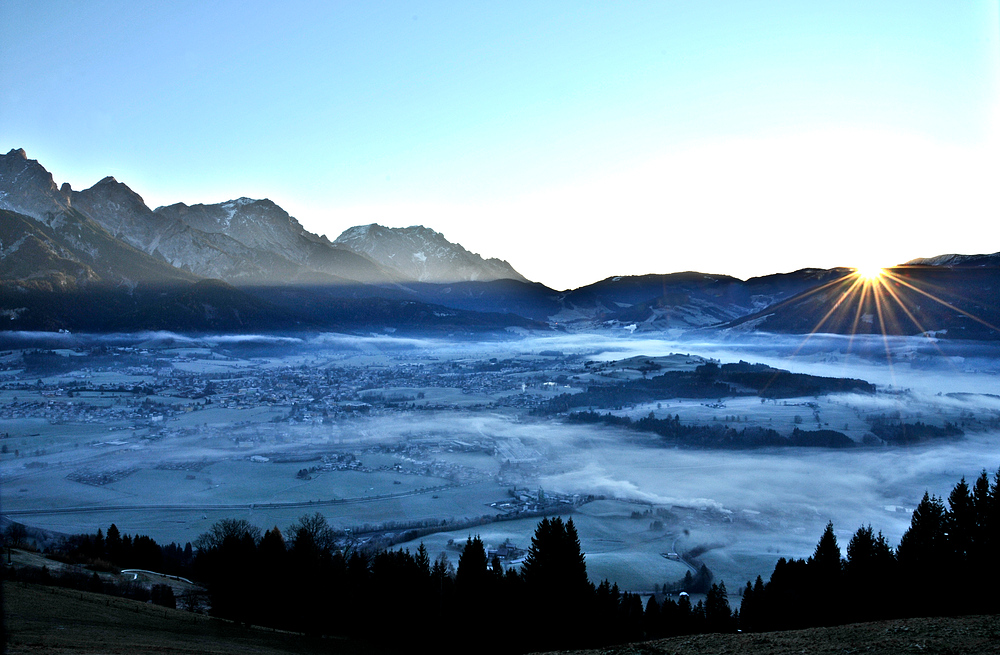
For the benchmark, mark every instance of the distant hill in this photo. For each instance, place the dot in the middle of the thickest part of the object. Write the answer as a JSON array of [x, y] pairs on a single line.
[[952, 302], [958, 261], [683, 300]]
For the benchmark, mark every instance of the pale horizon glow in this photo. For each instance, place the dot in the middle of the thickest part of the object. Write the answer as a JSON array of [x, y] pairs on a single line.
[[576, 142], [903, 192]]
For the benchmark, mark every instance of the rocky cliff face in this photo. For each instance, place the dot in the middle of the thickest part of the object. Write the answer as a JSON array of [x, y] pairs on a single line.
[[254, 223], [27, 188], [123, 213], [31, 257], [45, 240], [242, 241], [264, 227], [421, 254]]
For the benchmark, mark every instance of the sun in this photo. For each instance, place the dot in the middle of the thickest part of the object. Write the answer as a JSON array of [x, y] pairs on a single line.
[[869, 273]]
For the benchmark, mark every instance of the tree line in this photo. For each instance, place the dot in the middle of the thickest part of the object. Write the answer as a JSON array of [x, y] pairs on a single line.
[[300, 581], [946, 563], [717, 436]]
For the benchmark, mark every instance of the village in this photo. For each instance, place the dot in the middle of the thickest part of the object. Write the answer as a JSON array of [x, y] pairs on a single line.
[[155, 385]]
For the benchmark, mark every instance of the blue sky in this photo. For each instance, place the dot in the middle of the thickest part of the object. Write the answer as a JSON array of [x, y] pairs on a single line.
[[576, 140]]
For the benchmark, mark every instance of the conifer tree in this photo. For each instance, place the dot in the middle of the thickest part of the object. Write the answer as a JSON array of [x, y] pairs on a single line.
[[718, 614], [470, 580], [869, 575], [113, 543], [423, 560], [825, 560], [922, 547], [981, 503], [555, 579], [960, 524], [651, 618]]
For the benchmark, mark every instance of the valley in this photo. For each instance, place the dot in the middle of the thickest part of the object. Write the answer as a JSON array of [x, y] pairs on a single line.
[[403, 440]]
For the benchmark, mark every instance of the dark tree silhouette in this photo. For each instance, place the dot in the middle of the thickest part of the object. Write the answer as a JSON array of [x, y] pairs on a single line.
[[718, 615], [869, 576]]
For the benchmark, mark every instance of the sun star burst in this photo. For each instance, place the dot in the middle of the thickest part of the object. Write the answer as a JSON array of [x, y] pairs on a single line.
[[869, 273]]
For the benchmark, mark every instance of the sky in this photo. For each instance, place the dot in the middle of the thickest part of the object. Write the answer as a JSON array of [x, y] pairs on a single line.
[[576, 140]]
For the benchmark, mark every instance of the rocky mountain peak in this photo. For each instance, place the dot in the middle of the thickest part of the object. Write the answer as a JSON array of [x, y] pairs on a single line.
[[422, 254], [254, 223], [27, 188], [112, 193]]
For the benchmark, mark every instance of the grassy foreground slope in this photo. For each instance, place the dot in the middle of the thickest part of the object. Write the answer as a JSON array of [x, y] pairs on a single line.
[[39, 619], [53, 620], [939, 635]]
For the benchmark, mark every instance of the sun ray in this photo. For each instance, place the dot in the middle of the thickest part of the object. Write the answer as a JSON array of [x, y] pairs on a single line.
[[881, 294], [844, 296], [857, 316], [813, 291], [900, 280], [798, 298], [916, 321], [885, 337], [906, 310]]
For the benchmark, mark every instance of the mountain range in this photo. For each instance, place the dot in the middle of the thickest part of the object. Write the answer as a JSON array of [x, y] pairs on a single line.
[[101, 260]]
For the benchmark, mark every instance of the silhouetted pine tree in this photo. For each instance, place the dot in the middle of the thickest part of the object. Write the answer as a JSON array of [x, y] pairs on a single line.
[[825, 574], [555, 581], [752, 606], [991, 527], [473, 592], [651, 618], [870, 577], [470, 580], [274, 580], [718, 614], [922, 555]]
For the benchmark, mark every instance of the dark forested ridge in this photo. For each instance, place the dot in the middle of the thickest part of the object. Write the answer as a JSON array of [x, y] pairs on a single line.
[[945, 564], [676, 433], [708, 381], [893, 432]]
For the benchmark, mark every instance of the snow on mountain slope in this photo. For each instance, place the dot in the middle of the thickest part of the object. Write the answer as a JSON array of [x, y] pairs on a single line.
[[953, 260]]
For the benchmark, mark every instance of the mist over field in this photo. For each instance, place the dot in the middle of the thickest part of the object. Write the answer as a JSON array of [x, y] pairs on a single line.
[[383, 433]]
